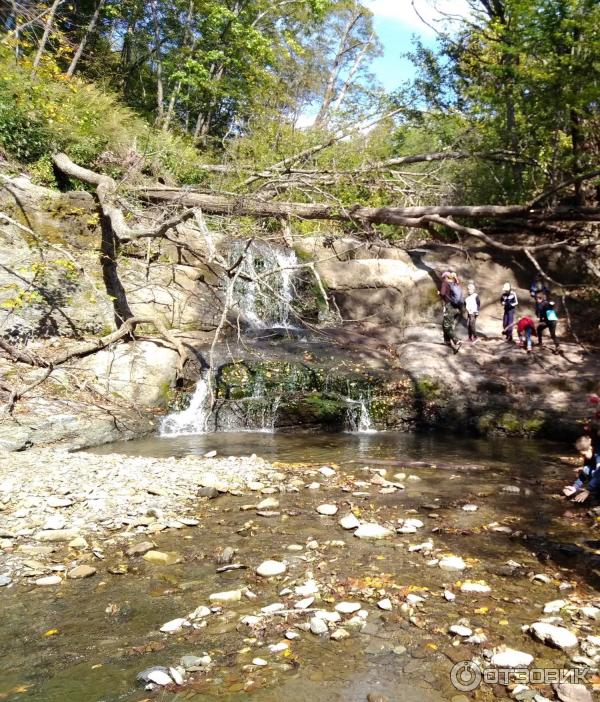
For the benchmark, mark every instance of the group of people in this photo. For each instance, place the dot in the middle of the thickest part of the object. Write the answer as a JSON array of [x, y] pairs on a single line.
[[456, 304]]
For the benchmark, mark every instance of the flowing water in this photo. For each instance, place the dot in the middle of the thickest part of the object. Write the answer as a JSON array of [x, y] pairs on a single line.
[[107, 626]]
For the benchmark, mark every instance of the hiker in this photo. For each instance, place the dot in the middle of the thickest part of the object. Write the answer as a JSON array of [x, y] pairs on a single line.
[[509, 302], [538, 286], [548, 319], [525, 330], [590, 473], [453, 301], [472, 305]]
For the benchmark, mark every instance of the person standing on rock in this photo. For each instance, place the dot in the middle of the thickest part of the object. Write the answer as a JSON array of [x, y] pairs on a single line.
[[509, 302], [548, 319], [453, 301], [472, 305]]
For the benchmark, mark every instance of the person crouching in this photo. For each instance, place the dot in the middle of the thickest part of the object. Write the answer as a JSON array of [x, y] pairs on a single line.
[[589, 474]]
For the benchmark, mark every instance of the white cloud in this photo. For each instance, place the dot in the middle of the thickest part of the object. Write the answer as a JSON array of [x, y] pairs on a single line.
[[434, 12]]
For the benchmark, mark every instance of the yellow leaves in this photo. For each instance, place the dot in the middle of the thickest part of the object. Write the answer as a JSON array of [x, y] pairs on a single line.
[[432, 646], [503, 622], [287, 653], [481, 610], [380, 558], [51, 632]]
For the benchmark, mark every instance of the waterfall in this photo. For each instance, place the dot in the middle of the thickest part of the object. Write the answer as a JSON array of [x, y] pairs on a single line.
[[359, 418], [192, 420], [265, 300]]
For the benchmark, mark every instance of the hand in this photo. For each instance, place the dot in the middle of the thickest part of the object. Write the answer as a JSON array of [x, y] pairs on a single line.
[[569, 490], [582, 497]]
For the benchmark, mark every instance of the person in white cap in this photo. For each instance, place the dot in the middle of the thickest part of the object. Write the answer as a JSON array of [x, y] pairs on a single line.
[[509, 302], [472, 305]]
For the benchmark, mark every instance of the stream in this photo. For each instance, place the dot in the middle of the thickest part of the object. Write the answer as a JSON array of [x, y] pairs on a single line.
[[87, 641]]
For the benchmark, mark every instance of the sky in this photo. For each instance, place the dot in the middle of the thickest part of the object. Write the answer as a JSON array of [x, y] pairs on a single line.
[[396, 22]]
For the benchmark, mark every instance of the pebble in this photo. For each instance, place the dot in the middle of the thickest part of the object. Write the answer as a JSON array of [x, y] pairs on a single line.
[[140, 549], [385, 604], [176, 675], [291, 635], [460, 630], [349, 521], [260, 662], [371, 530], [160, 558], [209, 491], [157, 675], [191, 661], [279, 647], [452, 563], [79, 542], [295, 547], [58, 502], [268, 503], [56, 521], [552, 635], [313, 486], [305, 603], [554, 607], [174, 625], [347, 607], [511, 658], [81, 571], [49, 580], [272, 608], [56, 535], [310, 587], [470, 508], [450, 596], [327, 510], [318, 626], [479, 587], [226, 596], [340, 634], [268, 569], [425, 546], [209, 454], [327, 616], [542, 578], [572, 692], [327, 471], [5, 580]]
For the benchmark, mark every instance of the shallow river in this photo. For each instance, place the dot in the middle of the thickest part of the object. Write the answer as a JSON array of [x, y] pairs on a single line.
[[107, 627]]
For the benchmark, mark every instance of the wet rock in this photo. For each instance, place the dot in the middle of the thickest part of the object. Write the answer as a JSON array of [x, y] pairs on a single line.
[[226, 596], [425, 546], [177, 676], [327, 471], [161, 558], [225, 556], [554, 607], [349, 521], [572, 692], [452, 563], [268, 503], [140, 549], [58, 502], [268, 569], [159, 675], [79, 543], [49, 580], [371, 530], [318, 626], [189, 661], [385, 604], [5, 580], [56, 535], [511, 658], [209, 491], [460, 630], [552, 635], [174, 625], [475, 587], [347, 607], [327, 510], [82, 571], [340, 634]]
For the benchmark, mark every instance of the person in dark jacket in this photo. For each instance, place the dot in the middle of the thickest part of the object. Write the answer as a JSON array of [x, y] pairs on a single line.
[[538, 286], [548, 319], [509, 302], [452, 299], [588, 476]]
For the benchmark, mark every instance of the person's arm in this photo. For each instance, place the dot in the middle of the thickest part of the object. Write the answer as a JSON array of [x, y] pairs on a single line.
[[444, 291], [594, 484], [515, 300], [478, 303]]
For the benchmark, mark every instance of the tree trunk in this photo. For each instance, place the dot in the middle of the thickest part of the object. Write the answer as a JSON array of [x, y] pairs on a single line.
[[159, 77], [44, 39], [88, 31]]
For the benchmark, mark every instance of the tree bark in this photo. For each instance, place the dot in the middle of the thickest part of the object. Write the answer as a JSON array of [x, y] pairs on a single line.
[[46, 34], [88, 32]]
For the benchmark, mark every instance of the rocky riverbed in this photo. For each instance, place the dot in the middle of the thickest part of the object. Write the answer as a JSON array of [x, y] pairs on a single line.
[[205, 577]]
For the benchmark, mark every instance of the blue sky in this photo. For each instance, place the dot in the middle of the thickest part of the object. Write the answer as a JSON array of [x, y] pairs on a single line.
[[396, 22]]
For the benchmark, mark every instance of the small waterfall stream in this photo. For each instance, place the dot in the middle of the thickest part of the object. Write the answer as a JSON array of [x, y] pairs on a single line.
[[193, 419], [359, 417]]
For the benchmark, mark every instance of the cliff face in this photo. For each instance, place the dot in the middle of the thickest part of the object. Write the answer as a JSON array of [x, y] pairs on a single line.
[[374, 339]]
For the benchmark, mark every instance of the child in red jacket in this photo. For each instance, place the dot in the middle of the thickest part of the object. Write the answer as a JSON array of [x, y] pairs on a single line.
[[525, 328]]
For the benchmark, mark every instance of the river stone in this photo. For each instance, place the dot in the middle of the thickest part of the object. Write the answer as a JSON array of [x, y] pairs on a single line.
[[460, 630], [140, 549], [174, 625], [452, 563], [78, 542], [305, 603], [470, 508], [250, 620], [327, 616], [349, 521], [318, 626], [161, 558], [572, 692], [272, 608], [49, 580], [260, 662], [5, 580], [56, 535], [56, 521], [327, 510], [310, 587], [552, 635], [511, 658], [327, 471], [59, 502], [590, 612], [159, 675], [268, 569], [347, 607], [226, 596], [189, 521], [340, 634], [554, 607], [81, 571], [200, 612], [371, 530], [268, 503], [385, 604], [469, 586], [449, 595]]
